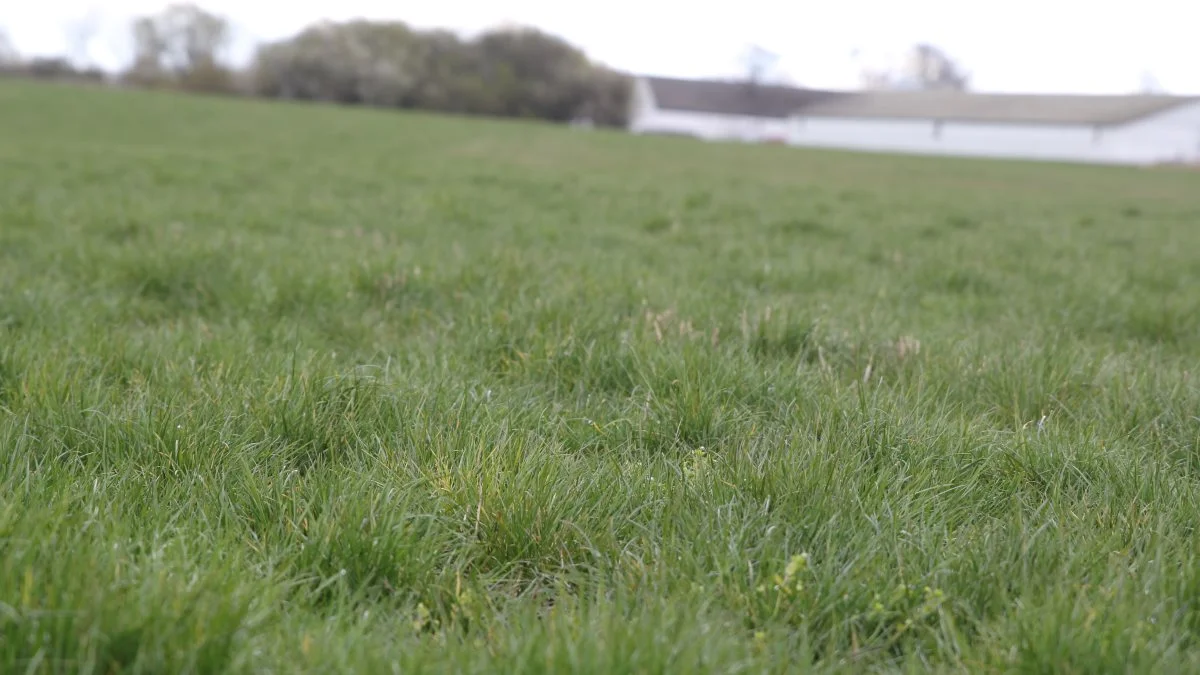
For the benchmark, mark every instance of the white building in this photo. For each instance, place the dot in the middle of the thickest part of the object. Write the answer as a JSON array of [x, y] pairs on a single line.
[[714, 110], [1135, 129]]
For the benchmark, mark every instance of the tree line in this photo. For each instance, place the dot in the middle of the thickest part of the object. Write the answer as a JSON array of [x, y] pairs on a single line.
[[507, 72]]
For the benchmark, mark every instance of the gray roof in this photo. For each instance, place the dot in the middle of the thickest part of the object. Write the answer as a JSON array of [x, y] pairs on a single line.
[[741, 98], [732, 98], [995, 108]]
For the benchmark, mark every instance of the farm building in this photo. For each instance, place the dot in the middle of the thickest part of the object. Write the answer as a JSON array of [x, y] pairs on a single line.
[[1103, 129], [714, 110], [1135, 129]]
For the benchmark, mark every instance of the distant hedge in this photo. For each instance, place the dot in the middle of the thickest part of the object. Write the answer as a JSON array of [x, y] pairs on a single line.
[[518, 72], [508, 72]]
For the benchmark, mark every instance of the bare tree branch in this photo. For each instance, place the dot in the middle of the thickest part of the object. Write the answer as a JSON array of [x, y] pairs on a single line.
[[79, 35], [925, 67]]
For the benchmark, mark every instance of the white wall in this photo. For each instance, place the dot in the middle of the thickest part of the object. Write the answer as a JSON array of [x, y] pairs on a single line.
[[641, 103], [645, 117], [712, 127], [1168, 136], [1049, 142], [1173, 135]]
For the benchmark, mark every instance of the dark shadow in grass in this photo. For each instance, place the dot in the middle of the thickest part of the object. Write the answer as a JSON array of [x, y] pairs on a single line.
[[216, 653], [952, 223], [732, 213], [792, 343], [790, 340], [698, 200], [176, 285], [608, 369], [16, 248], [24, 213], [121, 649], [123, 231], [961, 222], [449, 210], [876, 258], [395, 290], [854, 196], [809, 227], [657, 224], [682, 425], [1154, 324], [1015, 387], [590, 363], [1178, 434], [123, 369], [691, 403], [354, 547], [958, 282], [783, 279], [504, 357], [931, 233], [964, 282], [318, 422], [10, 378], [1161, 284]]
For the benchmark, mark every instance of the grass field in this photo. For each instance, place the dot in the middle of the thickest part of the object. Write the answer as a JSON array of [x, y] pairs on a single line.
[[295, 388]]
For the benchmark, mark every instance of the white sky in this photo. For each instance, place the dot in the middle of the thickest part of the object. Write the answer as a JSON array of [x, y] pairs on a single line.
[[1008, 45]]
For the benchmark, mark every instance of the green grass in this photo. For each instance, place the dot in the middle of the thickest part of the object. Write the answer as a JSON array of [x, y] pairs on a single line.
[[309, 389]]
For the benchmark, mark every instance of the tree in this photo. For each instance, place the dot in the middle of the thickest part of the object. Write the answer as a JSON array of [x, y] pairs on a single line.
[[925, 67], [182, 45], [932, 68], [79, 34], [758, 64], [375, 63], [512, 72], [529, 73]]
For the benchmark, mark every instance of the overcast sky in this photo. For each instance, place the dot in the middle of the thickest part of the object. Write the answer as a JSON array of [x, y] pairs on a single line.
[[1008, 45]]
